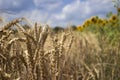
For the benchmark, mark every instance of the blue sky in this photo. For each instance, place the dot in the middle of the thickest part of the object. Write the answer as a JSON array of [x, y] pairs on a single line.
[[55, 12]]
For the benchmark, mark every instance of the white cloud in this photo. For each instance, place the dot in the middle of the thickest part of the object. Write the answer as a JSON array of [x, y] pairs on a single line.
[[34, 15], [76, 8], [78, 11], [48, 4], [54, 13], [16, 5]]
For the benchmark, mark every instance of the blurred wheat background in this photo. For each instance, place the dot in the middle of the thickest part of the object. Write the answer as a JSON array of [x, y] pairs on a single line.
[[38, 52]]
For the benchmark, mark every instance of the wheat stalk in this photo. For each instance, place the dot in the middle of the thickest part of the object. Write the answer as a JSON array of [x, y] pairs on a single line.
[[10, 24]]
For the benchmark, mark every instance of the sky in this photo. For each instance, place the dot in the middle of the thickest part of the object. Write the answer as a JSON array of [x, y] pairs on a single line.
[[55, 12]]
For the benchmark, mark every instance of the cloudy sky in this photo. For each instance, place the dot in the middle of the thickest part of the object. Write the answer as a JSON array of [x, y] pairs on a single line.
[[55, 12]]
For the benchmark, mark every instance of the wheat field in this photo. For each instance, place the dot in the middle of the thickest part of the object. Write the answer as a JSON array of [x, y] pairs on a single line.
[[38, 52]]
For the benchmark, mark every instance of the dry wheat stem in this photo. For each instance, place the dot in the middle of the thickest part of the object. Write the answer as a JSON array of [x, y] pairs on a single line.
[[10, 24]]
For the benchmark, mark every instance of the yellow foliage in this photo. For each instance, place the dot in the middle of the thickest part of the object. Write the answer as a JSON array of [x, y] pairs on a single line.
[[79, 28], [118, 10], [87, 23], [113, 19], [93, 19], [102, 22]]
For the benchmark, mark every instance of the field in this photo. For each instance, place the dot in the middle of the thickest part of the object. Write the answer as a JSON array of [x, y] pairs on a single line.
[[38, 52]]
